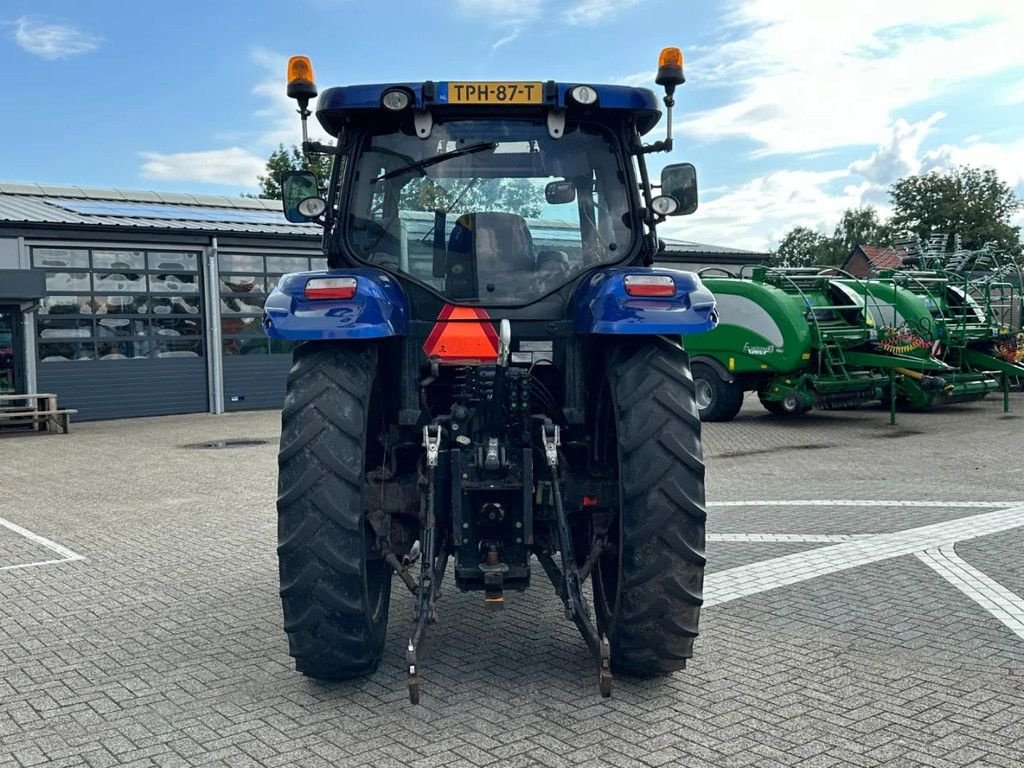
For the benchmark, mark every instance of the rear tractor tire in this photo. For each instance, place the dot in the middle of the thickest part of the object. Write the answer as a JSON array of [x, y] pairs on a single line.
[[648, 586], [335, 591], [717, 400]]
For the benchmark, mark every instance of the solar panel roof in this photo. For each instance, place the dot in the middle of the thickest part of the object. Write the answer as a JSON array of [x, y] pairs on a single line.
[[164, 211]]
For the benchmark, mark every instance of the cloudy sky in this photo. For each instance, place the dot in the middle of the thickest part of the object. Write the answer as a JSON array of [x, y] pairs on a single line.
[[793, 109]]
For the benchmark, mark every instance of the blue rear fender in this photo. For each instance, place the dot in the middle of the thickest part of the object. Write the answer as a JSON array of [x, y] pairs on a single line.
[[602, 305], [378, 309]]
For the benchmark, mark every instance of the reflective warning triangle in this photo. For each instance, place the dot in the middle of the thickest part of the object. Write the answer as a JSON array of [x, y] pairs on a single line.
[[462, 335]]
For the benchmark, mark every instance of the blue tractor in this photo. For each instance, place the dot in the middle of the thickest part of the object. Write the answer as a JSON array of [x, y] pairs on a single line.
[[489, 369]]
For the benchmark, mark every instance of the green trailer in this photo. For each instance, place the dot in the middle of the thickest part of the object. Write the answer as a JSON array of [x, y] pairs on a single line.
[[800, 338]]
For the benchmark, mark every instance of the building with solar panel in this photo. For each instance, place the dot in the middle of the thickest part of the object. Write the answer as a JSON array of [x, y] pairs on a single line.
[[129, 303]]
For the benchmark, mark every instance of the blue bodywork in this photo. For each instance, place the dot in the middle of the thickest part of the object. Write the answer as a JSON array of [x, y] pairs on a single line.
[[379, 308], [336, 105], [603, 306]]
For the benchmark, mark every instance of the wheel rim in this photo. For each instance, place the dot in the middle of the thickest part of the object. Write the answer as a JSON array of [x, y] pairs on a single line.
[[704, 393], [790, 403]]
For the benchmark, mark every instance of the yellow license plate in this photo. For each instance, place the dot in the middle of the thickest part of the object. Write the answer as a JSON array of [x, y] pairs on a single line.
[[495, 93]]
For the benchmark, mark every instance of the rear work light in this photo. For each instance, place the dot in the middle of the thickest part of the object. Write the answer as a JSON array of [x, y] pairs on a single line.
[[650, 285], [331, 288]]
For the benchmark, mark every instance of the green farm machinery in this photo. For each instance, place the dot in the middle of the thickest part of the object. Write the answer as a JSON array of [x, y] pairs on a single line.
[[975, 303], [801, 338], [911, 319]]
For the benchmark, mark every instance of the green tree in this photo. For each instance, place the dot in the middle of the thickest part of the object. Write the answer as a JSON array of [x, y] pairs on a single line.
[[290, 159], [463, 195], [972, 202], [803, 247], [858, 226]]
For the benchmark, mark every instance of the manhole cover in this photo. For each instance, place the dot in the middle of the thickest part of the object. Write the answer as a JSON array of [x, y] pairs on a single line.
[[235, 443]]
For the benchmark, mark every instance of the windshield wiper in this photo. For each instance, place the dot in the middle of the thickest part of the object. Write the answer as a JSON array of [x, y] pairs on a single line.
[[419, 166]]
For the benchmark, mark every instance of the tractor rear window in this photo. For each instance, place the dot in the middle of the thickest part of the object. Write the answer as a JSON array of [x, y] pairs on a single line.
[[490, 211]]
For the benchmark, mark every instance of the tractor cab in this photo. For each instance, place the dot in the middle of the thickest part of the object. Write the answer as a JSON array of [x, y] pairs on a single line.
[[497, 194]]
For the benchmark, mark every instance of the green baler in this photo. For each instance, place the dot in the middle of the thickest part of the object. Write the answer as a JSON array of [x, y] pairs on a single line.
[[977, 295], [799, 338], [911, 314], [972, 334]]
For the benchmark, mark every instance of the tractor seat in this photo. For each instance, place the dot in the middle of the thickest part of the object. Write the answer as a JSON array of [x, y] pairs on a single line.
[[488, 249]]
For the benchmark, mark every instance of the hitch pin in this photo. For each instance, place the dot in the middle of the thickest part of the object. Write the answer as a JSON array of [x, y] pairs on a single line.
[[551, 442], [432, 442]]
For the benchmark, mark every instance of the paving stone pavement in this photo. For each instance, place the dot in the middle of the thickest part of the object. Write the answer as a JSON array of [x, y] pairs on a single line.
[[163, 647]]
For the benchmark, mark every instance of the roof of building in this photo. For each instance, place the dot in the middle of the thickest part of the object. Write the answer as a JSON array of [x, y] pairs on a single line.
[[880, 257], [36, 204], [686, 250]]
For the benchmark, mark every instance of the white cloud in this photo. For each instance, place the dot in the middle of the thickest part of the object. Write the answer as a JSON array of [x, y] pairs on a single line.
[[1006, 159], [276, 123], [813, 76], [757, 213], [898, 155], [501, 13], [232, 167], [1014, 94], [278, 115], [509, 16], [506, 39], [643, 79], [513, 16], [51, 41], [587, 13]]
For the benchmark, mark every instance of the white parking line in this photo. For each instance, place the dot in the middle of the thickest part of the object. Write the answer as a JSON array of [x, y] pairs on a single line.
[[66, 555], [777, 538], [754, 578], [989, 594], [865, 503]]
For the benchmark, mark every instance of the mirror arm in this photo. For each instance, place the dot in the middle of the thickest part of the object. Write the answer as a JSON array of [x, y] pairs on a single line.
[[665, 145], [659, 146], [646, 213], [312, 147], [317, 148]]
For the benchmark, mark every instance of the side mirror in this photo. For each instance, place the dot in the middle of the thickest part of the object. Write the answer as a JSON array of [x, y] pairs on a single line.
[[300, 196], [559, 192], [679, 181]]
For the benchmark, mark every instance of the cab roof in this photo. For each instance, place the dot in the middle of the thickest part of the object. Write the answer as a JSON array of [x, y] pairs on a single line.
[[338, 106]]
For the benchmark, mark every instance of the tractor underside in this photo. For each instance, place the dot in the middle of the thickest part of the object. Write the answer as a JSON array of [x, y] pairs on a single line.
[[496, 477]]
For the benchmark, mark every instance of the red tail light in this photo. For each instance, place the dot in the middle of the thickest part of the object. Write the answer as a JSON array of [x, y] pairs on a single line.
[[331, 288], [650, 285]]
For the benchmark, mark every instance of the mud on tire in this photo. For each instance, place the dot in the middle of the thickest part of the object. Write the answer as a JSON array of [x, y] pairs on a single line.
[[334, 592], [649, 589]]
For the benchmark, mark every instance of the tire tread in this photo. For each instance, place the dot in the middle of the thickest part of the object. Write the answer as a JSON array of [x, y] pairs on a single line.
[[662, 528], [321, 549]]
